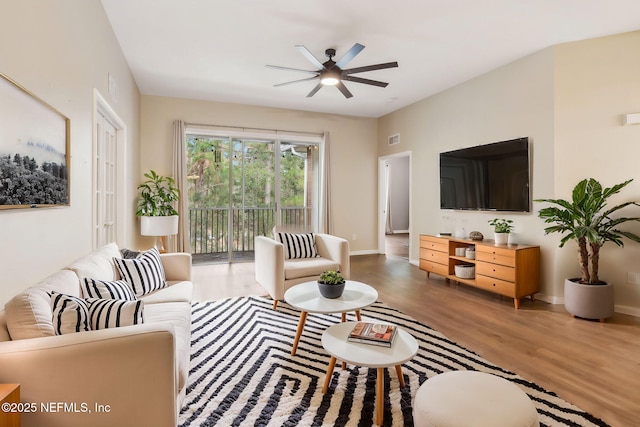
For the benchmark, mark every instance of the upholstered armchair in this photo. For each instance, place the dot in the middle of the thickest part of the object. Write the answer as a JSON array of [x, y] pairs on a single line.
[[279, 266]]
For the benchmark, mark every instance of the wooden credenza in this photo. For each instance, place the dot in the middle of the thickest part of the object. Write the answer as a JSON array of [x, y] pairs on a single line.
[[9, 395], [509, 270]]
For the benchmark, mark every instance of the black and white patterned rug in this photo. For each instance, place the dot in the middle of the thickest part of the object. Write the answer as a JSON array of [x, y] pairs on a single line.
[[242, 372]]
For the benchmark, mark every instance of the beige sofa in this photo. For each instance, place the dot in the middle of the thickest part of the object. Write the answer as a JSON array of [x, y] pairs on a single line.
[[276, 274], [124, 376]]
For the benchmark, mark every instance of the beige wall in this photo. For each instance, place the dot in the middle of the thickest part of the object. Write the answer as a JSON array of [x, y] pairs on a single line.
[[60, 51], [597, 81], [353, 151], [568, 100]]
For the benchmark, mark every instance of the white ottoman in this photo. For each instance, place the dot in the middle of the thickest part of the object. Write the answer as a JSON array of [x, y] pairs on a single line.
[[472, 399]]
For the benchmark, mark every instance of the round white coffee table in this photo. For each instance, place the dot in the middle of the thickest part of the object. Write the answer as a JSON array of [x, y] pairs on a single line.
[[306, 298], [403, 349]]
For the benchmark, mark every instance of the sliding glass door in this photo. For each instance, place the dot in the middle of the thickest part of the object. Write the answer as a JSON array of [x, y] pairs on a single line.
[[240, 188]]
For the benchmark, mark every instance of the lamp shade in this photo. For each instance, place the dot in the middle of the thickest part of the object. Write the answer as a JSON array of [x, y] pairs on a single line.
[[159, 225]]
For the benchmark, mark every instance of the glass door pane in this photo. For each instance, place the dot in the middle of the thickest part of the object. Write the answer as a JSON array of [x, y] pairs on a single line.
[[208, 187], [296, 192], [253, 194]]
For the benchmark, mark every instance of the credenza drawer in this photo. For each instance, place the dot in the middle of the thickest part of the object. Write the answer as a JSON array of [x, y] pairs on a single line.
[[509, 261], [431, 255], [496, 270], [498, 255], [492, 284], [432, 267], [434, 244]]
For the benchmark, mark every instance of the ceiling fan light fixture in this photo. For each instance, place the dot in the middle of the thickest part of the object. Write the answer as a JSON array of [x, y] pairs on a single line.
[[329, 77]]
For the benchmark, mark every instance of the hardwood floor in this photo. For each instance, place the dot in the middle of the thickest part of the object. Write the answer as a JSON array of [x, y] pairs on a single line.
[[397, 245], [595, 366]]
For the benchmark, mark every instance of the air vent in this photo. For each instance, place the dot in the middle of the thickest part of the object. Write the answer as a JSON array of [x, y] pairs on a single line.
[[394, 139]]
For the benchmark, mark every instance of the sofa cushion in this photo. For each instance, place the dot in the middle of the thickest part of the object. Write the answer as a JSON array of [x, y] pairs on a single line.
[[93, 288], [98, 264], [113, 313], [174, 292], [70, 314], [298, 245], [29, 313], [297, 268], [144, 274]]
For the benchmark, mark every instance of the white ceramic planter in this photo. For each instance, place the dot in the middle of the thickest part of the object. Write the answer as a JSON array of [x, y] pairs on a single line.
[[501, 238], [159, 225], [589, 301]]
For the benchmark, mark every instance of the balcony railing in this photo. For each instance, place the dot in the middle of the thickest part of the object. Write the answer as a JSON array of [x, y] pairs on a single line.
[[211, 233]]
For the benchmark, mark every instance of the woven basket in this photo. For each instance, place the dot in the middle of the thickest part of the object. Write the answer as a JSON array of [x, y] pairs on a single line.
[[465, 271]]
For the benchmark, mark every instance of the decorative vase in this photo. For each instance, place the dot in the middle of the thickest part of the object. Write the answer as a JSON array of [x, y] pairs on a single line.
[[330, 291], [501, 238], [588, 301]]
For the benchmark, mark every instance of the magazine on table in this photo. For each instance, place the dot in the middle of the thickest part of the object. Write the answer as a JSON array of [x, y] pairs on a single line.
[[381, 334]]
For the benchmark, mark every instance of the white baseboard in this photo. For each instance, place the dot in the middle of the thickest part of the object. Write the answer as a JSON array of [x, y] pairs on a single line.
[[367, 252], [551, 299], [624, 309]]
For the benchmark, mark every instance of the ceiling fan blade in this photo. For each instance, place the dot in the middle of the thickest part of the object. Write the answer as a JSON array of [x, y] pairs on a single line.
[[365, 81], [297, 81], [370, 68], [344, 90], [356, 49], [315, 89], [303, 50], [277, 67]]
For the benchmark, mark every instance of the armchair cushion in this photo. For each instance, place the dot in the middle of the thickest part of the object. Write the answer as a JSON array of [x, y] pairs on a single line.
[[297, 268], [298, 245]]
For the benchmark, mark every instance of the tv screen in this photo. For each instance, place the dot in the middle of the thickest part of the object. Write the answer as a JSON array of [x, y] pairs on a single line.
[[492, 177]]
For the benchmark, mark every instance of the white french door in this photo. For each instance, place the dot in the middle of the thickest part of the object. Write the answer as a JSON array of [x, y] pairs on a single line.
[[108, 175]]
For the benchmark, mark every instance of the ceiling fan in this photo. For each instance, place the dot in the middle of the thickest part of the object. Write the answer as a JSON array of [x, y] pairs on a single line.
[[332, 73]]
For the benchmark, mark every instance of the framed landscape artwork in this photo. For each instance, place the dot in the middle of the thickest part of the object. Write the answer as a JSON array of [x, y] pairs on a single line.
[[34, 150]]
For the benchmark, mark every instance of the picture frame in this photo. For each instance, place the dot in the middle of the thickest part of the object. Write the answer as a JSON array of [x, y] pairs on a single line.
[[34, 150]]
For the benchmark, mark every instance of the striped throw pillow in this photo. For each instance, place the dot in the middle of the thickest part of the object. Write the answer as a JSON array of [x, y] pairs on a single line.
[[113, 313], [143, 274], [298, 245], [70, 314], [93, 288]]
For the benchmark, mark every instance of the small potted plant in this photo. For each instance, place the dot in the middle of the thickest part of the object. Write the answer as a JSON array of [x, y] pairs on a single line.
[[501, 230], [158, 217], [588, 220], [331, 284]]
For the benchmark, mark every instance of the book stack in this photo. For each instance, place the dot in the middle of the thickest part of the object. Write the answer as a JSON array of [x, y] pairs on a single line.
[[373, 333]]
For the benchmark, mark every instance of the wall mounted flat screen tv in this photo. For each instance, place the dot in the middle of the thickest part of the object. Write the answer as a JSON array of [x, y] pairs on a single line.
[[492, 177]]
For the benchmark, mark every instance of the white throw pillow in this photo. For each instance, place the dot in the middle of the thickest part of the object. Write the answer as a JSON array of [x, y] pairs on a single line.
[[298, 245], [144, 274], [93, 288], [113, 313], [70, 314]]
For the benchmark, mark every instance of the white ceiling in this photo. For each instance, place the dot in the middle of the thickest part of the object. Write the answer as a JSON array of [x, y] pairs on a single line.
[[217, 49]]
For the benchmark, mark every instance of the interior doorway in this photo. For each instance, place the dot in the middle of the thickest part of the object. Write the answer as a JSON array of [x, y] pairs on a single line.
[[394, 196]]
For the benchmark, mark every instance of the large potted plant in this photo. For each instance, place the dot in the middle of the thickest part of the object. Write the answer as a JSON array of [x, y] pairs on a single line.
[[158, 217], [588, 220]]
